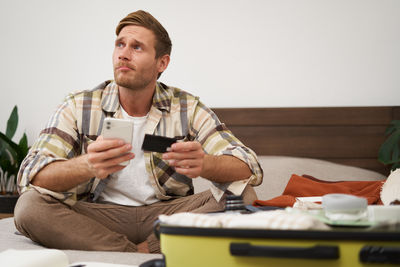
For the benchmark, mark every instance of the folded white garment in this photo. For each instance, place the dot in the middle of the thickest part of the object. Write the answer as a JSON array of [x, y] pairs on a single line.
[[277, 219], [45, 258], [384, 213], [391, 188], [33, 258]]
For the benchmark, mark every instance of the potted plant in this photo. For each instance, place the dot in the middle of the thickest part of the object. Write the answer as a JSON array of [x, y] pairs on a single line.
[[11, 157], [389, 152]]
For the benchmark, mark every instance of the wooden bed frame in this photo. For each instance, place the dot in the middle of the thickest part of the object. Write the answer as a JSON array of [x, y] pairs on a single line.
[[346, 135]]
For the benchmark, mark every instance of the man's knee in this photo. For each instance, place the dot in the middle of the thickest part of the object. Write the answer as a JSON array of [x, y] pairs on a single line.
[[25, 206], [30, 210]]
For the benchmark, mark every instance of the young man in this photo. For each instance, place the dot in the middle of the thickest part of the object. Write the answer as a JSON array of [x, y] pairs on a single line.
[[75, 193]]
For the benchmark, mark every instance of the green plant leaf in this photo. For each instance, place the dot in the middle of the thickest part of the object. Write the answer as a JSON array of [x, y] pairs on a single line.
[[23, 148], [395, 153], [12, 154], [395, 123], [23, 142], [389, 130], [393, 126], [7, 152], [8, 141], [395, 166], [8, 158], [12, 123], [390, 147], [5, 162]]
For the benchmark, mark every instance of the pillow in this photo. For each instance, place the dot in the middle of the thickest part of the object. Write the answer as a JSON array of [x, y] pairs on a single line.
[[279, 169]]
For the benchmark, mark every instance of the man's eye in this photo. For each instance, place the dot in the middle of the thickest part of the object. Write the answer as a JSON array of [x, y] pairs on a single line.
[[119, 44], [137, 47]]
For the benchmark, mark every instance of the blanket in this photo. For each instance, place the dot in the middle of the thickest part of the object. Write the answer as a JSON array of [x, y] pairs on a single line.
[[307, 186]]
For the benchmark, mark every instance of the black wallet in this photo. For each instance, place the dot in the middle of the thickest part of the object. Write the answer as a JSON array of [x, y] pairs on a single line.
[[157, 143]]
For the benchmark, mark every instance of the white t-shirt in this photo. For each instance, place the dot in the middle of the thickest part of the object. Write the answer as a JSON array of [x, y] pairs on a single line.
[[131, 185]]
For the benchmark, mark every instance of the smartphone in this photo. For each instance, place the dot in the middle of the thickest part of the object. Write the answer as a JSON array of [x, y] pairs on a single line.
[[120, 129]]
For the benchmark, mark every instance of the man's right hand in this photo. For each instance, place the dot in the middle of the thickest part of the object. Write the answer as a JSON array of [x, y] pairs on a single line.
[[105, 156]]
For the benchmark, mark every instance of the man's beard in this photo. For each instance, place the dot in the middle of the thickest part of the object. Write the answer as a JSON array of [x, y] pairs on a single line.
[[131, 83], [135, 82]]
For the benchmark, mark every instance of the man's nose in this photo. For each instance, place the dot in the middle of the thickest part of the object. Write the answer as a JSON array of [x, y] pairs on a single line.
[[124, 54]]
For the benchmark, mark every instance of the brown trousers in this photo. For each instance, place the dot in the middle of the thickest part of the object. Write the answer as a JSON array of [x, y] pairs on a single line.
[[103, 227]]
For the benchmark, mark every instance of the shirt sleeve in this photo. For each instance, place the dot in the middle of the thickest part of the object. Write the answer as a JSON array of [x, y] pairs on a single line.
[[58, 141], [217, 139]]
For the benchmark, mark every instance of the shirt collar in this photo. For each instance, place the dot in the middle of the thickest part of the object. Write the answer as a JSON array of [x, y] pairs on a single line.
[[110, 99], [162, 97]]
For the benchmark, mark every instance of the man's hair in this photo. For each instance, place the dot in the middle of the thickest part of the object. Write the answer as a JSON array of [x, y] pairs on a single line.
[[146, 20]]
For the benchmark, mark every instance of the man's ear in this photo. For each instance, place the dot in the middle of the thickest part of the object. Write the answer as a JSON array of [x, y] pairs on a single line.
[[163, 62]]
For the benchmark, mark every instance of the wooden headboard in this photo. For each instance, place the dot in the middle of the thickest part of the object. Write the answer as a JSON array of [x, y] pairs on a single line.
[[346, 135]]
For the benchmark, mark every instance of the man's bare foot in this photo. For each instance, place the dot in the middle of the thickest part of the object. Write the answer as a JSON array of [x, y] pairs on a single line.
[[143, 247]]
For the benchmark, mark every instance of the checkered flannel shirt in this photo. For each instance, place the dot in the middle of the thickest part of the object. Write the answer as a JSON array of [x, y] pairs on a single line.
[[78, 121]]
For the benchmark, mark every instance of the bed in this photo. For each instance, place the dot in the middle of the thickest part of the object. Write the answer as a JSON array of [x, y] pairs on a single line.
[[330, 143]]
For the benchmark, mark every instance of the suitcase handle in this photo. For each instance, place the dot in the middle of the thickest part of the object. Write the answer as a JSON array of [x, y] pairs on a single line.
[[378, 254], [314, 252]]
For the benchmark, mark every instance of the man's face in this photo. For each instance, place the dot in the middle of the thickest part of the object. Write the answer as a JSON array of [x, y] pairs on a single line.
[[134, 58]]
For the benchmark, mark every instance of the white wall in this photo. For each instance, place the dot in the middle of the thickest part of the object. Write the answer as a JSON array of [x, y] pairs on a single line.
[[232, 53]]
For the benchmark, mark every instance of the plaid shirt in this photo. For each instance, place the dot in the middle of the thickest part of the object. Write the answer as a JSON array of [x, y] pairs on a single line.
[[79, 120]]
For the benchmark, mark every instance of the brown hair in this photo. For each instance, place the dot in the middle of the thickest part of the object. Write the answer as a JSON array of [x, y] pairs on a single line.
[[145, 19]]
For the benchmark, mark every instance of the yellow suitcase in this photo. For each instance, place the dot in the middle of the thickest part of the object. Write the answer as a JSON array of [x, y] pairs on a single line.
[[207, 247]]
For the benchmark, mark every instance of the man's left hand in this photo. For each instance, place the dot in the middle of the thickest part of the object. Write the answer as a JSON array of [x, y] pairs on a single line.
[[186, 157]]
